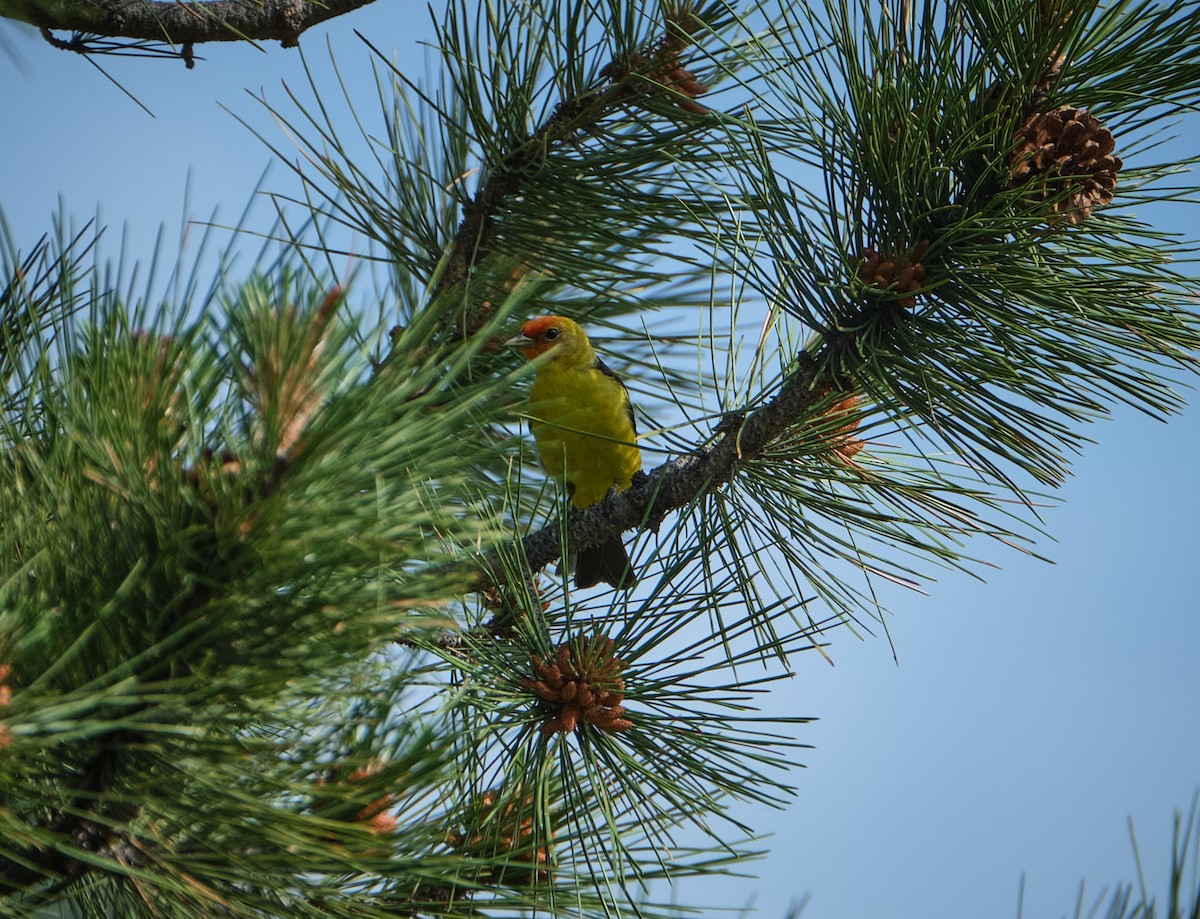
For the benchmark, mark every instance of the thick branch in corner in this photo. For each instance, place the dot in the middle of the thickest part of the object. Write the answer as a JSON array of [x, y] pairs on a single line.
[[680, 481], [181, 23]]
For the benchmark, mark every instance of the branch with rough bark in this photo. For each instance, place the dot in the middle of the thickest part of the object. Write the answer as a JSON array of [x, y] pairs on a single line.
[[573, 117], [181, 23], [678, 482]]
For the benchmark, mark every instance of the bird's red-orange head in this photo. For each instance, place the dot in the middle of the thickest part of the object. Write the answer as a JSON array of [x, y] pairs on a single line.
[[540, 335]]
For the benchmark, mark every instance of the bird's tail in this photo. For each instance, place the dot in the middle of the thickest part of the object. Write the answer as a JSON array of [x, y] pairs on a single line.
[[608, 563]]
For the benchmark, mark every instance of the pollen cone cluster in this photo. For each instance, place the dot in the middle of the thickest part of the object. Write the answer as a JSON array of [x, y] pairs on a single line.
[[844, 445], [374, 816], [902, 274], [5, 698], [1065, 155], [582, 683], [663, 65], [499, 827]]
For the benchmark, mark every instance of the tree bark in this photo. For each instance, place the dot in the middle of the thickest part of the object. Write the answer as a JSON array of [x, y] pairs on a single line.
[[181, 22]]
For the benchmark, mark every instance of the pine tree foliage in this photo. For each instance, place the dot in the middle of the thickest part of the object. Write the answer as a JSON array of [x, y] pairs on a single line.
[[281, 628], [1182, 888]]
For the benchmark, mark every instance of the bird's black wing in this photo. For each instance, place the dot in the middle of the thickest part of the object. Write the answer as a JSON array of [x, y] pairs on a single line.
[[607, 371]]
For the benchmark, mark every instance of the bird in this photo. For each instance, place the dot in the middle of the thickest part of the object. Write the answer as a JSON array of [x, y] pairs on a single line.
[[583, 424]]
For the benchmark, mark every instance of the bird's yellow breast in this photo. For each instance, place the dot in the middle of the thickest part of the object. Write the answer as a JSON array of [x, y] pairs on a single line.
[[584, 432]]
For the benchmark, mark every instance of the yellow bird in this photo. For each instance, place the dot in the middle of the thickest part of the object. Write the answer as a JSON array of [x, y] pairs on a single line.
[[582, 420]]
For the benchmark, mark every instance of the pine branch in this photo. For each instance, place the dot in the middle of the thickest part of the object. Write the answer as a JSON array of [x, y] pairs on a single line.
[[85, 829], [473, 240], [182, 23], [680, 482], [656, 72]]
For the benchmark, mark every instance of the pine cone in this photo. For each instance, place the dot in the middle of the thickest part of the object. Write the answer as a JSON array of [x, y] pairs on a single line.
[[1066, 155]]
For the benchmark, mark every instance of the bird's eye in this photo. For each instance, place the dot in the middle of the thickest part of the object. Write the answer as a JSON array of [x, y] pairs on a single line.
[[551, 334]]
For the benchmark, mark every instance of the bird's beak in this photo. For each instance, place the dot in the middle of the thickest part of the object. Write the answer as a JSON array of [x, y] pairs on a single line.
[[519, 341]]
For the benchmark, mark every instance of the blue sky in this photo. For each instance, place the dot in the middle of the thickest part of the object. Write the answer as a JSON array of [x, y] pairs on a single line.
[[1028, 717]]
